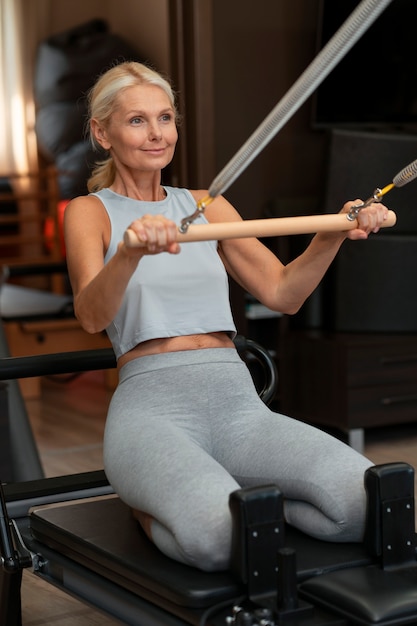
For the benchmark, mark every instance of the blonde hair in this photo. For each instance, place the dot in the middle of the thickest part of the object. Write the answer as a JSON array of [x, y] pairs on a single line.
[[102, 100]]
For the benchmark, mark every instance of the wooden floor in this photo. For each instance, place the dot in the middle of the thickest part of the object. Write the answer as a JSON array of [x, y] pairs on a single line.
[[68, 422]]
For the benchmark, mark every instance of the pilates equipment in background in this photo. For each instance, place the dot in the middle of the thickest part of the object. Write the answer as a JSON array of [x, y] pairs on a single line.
[[38, 321], [28, 202]]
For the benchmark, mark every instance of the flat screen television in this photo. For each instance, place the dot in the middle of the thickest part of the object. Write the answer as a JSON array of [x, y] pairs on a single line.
[[375, 84]]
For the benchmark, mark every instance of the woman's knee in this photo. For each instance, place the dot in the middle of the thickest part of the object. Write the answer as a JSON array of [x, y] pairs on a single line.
[[204, 546], [209, 551]]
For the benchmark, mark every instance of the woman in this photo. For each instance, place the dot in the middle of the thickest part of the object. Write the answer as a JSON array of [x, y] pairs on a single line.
[[185, 426]]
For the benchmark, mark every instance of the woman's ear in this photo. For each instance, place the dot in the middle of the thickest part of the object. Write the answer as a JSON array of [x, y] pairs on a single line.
[[100, 134]]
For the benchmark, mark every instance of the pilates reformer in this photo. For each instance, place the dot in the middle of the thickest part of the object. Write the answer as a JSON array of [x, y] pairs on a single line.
[[279, 575], [55, 527]]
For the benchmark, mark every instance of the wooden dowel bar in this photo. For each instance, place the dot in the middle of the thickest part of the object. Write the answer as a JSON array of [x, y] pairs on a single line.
[[264, 228]]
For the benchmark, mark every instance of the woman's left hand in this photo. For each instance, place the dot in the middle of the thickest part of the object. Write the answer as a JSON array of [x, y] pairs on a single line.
[[369, 219]]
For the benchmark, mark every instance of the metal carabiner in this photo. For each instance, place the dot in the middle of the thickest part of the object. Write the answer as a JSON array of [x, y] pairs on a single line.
[[201, 205], [354, 210]]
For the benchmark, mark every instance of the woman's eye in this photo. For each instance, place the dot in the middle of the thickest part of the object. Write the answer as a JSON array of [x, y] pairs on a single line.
[[136, 120], [167, 117]]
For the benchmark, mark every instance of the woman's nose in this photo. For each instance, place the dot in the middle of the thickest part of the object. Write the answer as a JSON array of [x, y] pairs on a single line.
[[154, 131]]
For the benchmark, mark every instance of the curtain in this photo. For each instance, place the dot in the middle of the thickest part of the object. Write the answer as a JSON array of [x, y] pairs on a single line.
[[21, 27], [20, 22]]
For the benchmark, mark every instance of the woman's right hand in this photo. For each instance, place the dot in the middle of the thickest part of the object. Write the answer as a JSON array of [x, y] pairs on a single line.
[[157, 233]]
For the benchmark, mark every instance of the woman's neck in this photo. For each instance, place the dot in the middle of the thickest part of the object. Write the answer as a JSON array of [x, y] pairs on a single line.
[[141, 188]]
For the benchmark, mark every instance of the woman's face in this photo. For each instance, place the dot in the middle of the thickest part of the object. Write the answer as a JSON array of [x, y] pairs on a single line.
[[142, 132]]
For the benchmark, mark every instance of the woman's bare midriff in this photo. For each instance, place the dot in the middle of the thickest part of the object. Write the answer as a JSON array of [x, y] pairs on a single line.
[[176, 344]]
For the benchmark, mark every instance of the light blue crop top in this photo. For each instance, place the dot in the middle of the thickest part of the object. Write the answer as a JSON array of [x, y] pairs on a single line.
[[168, 295]]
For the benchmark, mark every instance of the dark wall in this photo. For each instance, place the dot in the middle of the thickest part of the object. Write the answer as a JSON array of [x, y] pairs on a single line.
[[368, 287], [258, 54]]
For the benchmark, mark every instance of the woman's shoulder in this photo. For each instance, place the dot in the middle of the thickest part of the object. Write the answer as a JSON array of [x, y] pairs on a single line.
[[84, 209], [80, 203]]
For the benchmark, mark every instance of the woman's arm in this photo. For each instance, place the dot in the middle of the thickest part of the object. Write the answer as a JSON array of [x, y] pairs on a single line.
[[279, 287]]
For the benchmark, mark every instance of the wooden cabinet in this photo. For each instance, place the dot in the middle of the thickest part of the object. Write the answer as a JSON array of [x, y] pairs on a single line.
[[349, 382]]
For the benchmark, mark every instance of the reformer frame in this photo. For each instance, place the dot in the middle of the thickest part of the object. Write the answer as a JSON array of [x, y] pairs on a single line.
[[279, 575]]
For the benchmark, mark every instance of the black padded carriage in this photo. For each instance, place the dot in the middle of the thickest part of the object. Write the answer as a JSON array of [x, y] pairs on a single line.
[[95, 550]]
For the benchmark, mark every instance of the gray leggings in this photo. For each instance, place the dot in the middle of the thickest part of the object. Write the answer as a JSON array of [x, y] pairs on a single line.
[[185, 429]]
